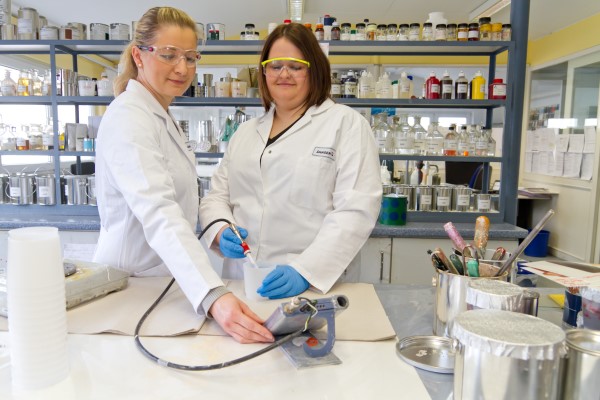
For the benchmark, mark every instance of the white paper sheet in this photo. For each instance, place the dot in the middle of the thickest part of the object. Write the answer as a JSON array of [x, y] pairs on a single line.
[[589, 147], [572, 166], [576, 142], [562, 143], [587, 167]]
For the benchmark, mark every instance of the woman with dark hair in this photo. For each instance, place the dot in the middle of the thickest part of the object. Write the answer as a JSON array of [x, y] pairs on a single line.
[[146, 182], [302, 180]]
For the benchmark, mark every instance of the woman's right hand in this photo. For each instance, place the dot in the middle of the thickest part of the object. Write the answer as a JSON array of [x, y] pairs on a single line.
[[229, 244], [237, 320]]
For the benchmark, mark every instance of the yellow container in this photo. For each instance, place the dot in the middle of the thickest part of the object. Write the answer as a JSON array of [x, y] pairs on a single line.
[[478, 87]]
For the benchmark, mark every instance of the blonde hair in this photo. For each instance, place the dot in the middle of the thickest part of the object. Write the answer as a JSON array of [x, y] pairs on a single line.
[[145, 34]]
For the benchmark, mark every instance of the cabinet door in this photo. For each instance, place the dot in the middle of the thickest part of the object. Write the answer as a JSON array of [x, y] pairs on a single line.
[[412, 265], [375, 258]]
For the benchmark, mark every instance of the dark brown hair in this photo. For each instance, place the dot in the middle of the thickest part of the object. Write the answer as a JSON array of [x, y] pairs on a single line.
[[319, 73], [145, 34]]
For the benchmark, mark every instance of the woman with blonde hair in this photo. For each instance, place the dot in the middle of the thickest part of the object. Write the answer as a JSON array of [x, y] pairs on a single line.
[[146, 182]]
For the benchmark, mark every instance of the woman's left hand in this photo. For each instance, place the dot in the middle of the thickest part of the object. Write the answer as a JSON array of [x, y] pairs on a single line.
[[284, 281]]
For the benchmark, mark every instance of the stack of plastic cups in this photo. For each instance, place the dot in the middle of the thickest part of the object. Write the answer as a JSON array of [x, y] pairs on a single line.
[[37, 320], [590, 307]]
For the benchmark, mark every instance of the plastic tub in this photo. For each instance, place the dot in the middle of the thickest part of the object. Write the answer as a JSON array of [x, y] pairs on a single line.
[[539, 245]]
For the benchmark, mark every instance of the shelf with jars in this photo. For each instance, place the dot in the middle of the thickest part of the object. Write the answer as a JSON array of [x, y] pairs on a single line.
[[512, 106]]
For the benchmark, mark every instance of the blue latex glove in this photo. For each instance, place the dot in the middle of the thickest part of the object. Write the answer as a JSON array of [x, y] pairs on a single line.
[[230, 245], [282, 282]]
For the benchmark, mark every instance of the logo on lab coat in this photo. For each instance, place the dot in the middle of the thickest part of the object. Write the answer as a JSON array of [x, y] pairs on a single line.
[[326, 152]]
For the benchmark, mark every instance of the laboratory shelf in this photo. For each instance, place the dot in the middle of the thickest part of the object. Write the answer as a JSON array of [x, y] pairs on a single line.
[[26, 100], [482, 159], [49, 210], [48, 153]]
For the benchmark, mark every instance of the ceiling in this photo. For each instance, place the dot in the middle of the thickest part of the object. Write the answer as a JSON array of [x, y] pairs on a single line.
[[546, 16]]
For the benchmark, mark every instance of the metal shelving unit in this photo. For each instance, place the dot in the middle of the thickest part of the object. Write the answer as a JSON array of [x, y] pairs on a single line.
[[513, 105]]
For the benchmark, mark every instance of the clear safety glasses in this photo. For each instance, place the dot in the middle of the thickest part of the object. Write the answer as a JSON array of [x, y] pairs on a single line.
[[172, 55], [294, 66]]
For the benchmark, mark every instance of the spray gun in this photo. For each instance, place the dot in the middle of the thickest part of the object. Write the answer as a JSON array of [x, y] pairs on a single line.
[[245, 246]]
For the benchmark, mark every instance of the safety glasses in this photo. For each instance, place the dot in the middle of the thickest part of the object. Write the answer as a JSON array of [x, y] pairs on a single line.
[[172, 55], [295, 67]]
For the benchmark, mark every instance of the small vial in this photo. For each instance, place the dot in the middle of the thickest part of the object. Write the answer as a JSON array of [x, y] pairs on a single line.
[[345, 31], [361, 31], [392, 32], [506, 32], [427, 31], [336, 32], [485, 28], [403, 31], [414, 32], [371, 31], [496, 32], [440, 32], [462, 33], [320, 32], [473, 32], [451, 32]]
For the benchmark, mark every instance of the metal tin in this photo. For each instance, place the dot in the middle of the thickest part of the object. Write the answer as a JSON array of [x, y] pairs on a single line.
[[134, 25], [119, 31], [431, 353], [91, 190], [76, 189], [494, 295], [65, 33], [461, 198], [99, 31], [425, 198], [8, 32], [4, 199], [27, 23], [21, 189], [46, 189], [443, 198], [42, 21], [79, 30], [581, 367], [49, 33], [411, 195]]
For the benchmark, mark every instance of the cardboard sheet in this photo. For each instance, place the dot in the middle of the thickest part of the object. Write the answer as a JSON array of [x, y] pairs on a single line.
[[364, 320], [119, 312], [563, 275]]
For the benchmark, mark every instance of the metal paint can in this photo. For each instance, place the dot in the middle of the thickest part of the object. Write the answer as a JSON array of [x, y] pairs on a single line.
[[46, 189], [98, 31], [49, 33], [76, 189], [5, 12], [443, 198], [79, 30], [119, 31], [134, 25], [65, 33], [91, 190], [42, 21], [200, 31], [8, 32], [27, 23]]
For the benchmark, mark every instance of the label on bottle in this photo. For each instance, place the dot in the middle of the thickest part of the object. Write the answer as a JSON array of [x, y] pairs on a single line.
[[462, 147], [462, 88], [463, 35], [404, 143], [499, 89], [435, 88], [434, 147], [473, 34], [8, 90], [350, 89], [447, 88], [336, 90], [481, 145], [450, 144]]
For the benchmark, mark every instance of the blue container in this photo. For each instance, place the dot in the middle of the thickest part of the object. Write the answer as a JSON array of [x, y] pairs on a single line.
[[539, 245]]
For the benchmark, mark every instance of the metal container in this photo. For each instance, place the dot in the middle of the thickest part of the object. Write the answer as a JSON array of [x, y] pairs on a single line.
[[8, 32], [4, 199], [425, 198], [203, 186], [27, 23], [65, 33], [119, 31], [506, 355], [443, 198], [200, 31], [21, 189], [49, 33], [46, 189], [76, 189], [590, 307], [99, 31], [79, 30], [492, 294], [461, 198], [581, 366], [411, 195], [387, 189], [42, 21], [205, 137], [91, 190], [451, 299]]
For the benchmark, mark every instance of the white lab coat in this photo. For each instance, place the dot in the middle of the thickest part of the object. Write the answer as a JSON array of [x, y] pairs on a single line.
[[147, 191], [313, 200]]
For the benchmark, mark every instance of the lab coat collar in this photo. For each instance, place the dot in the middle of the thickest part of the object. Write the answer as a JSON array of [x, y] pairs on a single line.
[[171, 125], [266, 121]]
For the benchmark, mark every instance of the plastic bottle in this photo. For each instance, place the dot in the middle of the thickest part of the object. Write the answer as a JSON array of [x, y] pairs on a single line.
[[8, 85], [478, 87], [364, 85], [432, 87], [497, 90], [451, 142], [446, 84], [461, 87], [404, 86], [385, 88]]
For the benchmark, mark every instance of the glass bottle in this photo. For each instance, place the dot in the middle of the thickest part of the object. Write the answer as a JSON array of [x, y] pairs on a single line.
[[47, 83], [361, 31], [451, 32], [48, 137], [35, 137], [420, 136], [491, 150], [23, 84], [403, 31], [461, 87], [446, 84], [381, 130], [9, 138], [61, 138], [485, 28], [451, 142], [463, 141], [506, 32], [336, 32], [392, 32], [336, 87], [9, 86], [364, 85], [414, 32], [23, 138], [404, 136], [427, 33], [345, 31], [371, 31], [473, 136], [434, 140], [381, 32], [473, 32], [350, 87], [440, 32], [462, 32], [496, 32], [320, 32], [481, 145], [36, 84]]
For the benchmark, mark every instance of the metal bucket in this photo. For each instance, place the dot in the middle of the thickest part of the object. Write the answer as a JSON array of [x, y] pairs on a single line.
[[506, 355], [425, 196], [451, 299], [46, 189], [461, 198], [443, 198], [411, 194], [76, 189], [4, 199], [581, 367], [91, 190], [21, 189]]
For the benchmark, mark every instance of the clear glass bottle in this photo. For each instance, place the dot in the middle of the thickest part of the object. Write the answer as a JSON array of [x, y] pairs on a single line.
[[473, 136], [47, 83], [345, 31], [420, 136], [36, 84], [336, 87], [361, 31], [414, 32], [440, 32], [463, 141], [23, 84], [451, 142], [434, 140], [404, 136], [381, 32], [9, 86], [451, 32], [392, 32], [381, 130], [23, 138], [403, 32], [48, 137], [350, 87], [427, 33], [506, 32], [491, 150], [8, 139], [481, 145], [35, 137]]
